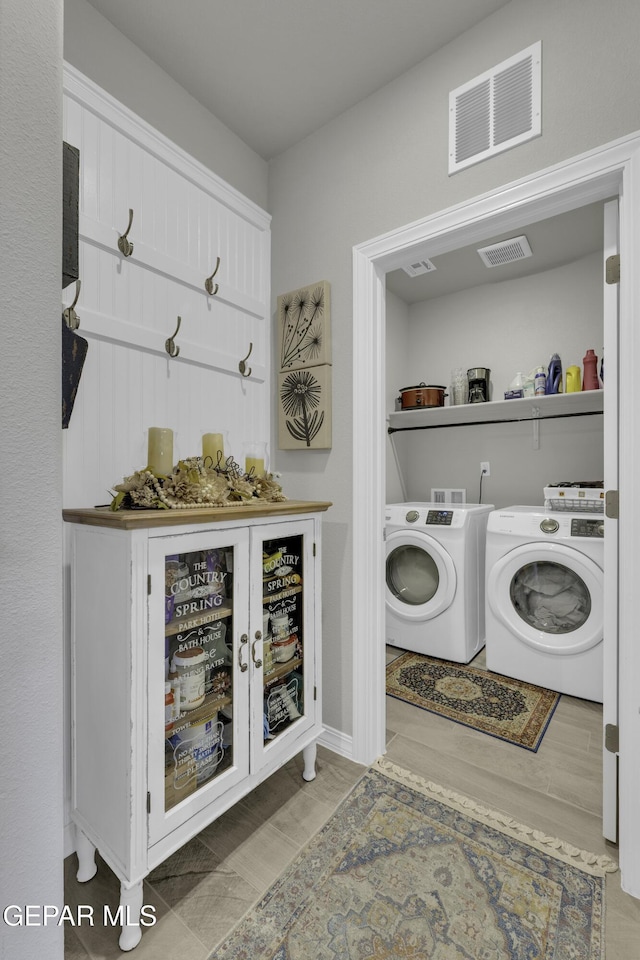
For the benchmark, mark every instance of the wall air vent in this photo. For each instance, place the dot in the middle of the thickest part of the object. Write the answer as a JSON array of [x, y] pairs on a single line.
[[497, 110], [418, 267], [448, 495], [506, 251]]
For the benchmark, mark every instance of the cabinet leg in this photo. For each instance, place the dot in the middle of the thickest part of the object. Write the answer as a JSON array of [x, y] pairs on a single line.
[[86, 853], [309, 758], [131, 904]]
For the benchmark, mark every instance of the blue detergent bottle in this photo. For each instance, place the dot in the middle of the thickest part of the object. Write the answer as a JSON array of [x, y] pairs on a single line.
[[554, 375]]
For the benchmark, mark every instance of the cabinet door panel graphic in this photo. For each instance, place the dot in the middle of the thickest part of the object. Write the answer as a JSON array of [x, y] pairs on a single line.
[[200, 636], [283, 621], [283, 701], [198, 669], [232, 661]]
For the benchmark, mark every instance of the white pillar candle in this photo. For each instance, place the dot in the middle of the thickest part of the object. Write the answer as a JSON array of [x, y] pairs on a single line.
[[256, 457], [160, 455], [255, 463], [212, 443]]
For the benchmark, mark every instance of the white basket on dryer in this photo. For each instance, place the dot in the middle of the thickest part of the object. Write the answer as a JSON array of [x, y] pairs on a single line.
[[574, 498]]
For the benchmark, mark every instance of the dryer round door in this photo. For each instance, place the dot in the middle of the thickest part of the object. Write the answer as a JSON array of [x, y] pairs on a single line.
[[421, 576], [549, 596]]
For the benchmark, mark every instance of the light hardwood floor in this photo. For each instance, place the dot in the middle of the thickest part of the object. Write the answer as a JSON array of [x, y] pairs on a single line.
[[205, 888]]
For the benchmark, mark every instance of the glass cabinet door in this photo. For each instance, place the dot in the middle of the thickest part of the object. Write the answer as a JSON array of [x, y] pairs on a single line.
[[201, 642], [283, 703]]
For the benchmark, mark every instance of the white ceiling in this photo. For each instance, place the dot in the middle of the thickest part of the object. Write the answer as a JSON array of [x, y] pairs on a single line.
[[276, 70], [554, 242]]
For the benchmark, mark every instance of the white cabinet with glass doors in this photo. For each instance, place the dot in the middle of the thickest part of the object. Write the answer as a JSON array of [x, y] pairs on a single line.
[[195, 673]]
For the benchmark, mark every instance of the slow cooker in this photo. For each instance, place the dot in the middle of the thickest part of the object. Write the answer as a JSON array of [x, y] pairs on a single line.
[[424, 395]]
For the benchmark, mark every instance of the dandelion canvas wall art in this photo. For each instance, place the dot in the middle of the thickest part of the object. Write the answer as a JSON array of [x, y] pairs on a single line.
[[304, 420], [304, 381], [304, 331]]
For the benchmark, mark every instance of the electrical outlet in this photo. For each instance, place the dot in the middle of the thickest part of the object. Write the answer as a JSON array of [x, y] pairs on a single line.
[[485, 468]]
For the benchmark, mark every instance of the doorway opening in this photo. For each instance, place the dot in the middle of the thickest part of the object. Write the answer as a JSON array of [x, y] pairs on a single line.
[[510, 321], [591, 178]]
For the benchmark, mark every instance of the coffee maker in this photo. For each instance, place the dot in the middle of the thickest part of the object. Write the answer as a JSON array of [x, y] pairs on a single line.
[[478, 384]]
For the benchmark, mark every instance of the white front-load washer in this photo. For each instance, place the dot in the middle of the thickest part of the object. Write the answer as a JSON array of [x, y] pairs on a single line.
[[544, 608], [435, 578]]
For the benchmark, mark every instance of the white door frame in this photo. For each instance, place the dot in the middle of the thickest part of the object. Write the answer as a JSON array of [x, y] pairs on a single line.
[[611, 312], [608, 171]]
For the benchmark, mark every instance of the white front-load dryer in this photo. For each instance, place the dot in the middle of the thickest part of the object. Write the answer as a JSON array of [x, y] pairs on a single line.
[[434, 598], [545, 589]]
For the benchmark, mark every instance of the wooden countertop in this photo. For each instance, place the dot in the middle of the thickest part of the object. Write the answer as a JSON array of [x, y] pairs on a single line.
[[136, 519]]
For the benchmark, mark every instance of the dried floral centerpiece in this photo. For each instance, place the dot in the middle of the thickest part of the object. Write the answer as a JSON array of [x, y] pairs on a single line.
[[196, 482]]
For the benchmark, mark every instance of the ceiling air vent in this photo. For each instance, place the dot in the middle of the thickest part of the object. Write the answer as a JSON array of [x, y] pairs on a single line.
[[418, 267], [507, 251], [497, 110]]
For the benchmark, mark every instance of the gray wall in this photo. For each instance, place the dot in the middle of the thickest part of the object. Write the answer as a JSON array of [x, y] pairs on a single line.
[[383, 164], [511, 326], [102, 53], [376, 167], [30, 507]]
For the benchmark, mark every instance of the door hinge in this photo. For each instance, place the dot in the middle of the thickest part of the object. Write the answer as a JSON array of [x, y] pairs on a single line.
[[315, 693], [148, 802], [612, 504], [148, 584], [612, 269], [612, 737], [314, 549]]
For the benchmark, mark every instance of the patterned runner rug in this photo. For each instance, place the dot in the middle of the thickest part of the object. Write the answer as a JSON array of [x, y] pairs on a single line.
[[512, 710], [406, 870]]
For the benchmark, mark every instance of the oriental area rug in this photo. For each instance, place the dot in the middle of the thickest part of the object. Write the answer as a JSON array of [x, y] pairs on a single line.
[[406, 870], [511, 710]]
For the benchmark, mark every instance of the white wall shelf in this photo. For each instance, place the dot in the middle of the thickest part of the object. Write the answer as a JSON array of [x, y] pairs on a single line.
[[553, 406]]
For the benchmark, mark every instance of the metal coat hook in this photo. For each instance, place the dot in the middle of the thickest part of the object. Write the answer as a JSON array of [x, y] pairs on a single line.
[[242, 366], [69, 315], [124, 245], [169, 343], [209, 285]]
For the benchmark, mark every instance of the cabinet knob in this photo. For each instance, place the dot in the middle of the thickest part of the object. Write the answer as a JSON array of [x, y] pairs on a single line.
[[243, 640], [258, 663]]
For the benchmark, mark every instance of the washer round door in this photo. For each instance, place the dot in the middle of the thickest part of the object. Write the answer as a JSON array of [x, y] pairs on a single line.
[[421, 576], [549, 596]]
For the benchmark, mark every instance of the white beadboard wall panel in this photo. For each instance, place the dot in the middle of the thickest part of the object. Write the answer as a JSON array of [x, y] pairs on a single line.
[[135, 389], [184, 218], [106, 188], [174, 221], [146, 255]]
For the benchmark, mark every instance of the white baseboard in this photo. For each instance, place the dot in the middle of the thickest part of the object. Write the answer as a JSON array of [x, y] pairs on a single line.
[[337, 741]]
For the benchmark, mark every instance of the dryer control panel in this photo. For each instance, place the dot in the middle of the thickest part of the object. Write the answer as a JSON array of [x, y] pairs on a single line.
[[442, 518], [585, 527]]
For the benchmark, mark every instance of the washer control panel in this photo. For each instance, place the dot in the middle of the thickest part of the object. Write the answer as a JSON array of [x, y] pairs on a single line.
[[585, 527], [442, 518], [426, 516]]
